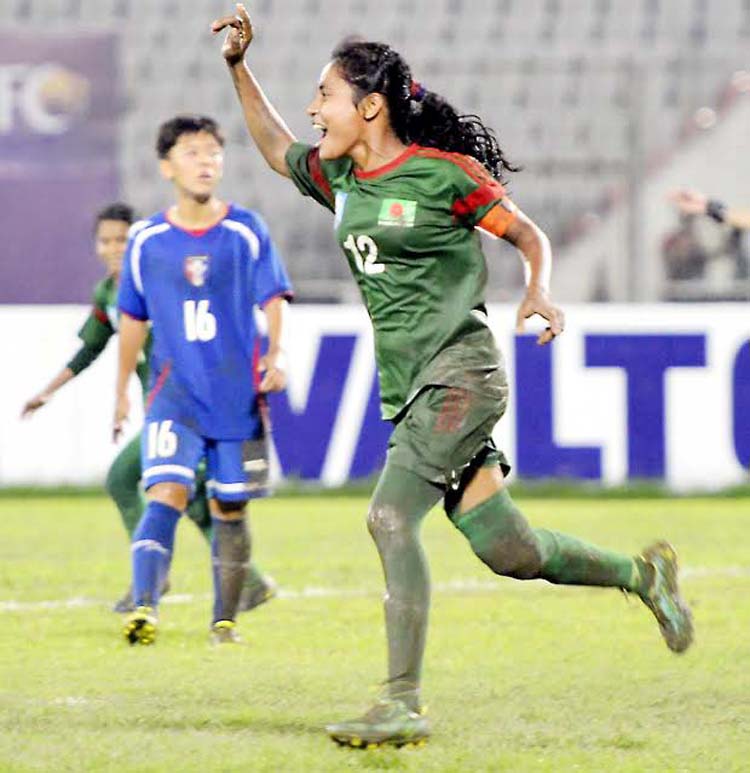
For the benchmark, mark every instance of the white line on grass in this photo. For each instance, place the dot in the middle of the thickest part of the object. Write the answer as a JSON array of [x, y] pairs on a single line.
[[315, 592]]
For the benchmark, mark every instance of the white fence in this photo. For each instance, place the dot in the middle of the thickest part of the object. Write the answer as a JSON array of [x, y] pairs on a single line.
[[628, 392]]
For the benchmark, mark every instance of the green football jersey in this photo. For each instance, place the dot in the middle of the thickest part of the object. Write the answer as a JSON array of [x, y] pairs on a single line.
[[408, 232], [103, 323]]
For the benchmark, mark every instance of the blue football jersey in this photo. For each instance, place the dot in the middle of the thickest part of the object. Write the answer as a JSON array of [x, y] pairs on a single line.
[[198, 289]]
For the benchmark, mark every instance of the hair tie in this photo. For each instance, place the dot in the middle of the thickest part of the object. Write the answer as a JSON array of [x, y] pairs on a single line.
[[417, 91]]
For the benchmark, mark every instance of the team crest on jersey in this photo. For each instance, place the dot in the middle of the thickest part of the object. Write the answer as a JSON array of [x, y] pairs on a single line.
[[398, 212], [196, 269]]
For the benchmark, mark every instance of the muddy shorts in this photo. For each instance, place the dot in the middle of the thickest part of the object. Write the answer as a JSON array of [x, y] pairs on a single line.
[[447, 431]]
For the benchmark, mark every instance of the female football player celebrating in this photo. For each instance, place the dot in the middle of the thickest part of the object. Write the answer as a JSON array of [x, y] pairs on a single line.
[[410, 180]]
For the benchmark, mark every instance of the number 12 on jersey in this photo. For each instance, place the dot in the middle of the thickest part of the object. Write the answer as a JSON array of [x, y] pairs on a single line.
[[200, 323], [365, 253]]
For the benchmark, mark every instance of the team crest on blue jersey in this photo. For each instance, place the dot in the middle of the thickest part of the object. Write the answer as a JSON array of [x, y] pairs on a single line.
[[196, 269]]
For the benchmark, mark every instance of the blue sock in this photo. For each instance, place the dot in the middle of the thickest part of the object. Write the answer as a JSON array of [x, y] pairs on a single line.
[[152, 546]]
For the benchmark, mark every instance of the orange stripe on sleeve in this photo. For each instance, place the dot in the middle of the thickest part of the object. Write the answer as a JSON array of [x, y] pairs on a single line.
[[499, 218]]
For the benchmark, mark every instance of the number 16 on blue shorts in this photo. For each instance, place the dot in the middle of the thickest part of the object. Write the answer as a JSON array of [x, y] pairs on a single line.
[[170, 453]]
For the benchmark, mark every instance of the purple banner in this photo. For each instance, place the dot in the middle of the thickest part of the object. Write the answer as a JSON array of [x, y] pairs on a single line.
[[59, 107]]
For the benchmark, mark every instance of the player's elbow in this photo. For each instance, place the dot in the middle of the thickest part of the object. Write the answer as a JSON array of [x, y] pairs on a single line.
[[528, 237]]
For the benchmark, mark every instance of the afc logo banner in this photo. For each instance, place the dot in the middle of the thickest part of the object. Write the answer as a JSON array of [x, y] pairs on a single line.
[[43, 99], [60, 102]]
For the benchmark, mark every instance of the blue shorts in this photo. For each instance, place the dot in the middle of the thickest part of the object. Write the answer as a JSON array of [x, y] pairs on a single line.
[[236, 470]]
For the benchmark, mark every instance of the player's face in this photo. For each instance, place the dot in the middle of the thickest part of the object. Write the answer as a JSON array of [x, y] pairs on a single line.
[[333, 112], [195, 164], [111, 238]]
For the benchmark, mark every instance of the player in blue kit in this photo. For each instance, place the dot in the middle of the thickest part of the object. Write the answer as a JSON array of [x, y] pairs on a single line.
[[195, 273]]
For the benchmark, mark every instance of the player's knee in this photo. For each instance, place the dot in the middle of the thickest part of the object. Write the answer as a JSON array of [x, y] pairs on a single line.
[[510, 556], [411, 603], [169, 493], [227, 510], [386, 524]]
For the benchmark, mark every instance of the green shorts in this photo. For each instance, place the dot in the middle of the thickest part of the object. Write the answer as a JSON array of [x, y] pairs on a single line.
[[445, 431]]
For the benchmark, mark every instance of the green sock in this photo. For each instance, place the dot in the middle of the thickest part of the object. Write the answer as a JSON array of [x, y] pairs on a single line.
[[501, 536], [123, 485], [399, 503], [570, 561]]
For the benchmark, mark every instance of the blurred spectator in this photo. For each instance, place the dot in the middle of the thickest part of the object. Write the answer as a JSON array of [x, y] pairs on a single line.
[[692, 202], [705, 260], [684, 255]]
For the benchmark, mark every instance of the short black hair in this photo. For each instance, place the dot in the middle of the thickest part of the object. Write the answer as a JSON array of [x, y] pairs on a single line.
[[170, 131], [117, 210]]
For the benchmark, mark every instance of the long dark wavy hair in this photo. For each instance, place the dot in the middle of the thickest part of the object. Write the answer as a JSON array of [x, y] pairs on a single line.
[[416, 114]]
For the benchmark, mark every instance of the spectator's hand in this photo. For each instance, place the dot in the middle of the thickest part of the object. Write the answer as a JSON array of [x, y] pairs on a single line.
[[32, 405], [122, 411], [271, 365], [688, 200], [538, 302], [239, 34]]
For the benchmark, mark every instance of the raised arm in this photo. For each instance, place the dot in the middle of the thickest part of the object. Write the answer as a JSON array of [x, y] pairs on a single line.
[[268, 130], [692, 202], [737, 218]]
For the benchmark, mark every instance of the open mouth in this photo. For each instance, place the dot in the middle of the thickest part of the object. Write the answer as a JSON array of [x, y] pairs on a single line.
[[322, 129]]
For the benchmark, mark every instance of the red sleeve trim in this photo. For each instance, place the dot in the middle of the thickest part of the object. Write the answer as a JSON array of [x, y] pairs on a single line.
[[478, 172], [316, 171], [100, 315], [489, 190], [486, 194]]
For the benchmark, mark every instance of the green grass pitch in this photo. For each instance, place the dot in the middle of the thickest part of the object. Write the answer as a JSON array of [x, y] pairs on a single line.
[[519, 676]]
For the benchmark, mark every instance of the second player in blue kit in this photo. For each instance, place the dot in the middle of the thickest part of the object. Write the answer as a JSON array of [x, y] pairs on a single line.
[[196, 273]]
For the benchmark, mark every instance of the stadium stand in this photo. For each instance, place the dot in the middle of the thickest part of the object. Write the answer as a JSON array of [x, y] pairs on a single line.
[[581, 92]]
